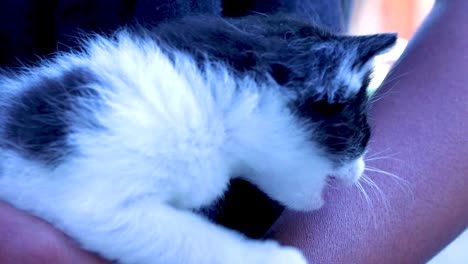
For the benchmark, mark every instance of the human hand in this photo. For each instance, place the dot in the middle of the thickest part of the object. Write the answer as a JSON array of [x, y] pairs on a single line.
[[26, 239]]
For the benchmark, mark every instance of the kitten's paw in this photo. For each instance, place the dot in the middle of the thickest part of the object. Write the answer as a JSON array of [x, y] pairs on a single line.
[[270, 252], [287, 255]]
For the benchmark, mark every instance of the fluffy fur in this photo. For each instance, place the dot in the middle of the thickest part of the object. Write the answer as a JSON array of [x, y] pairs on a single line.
[[119, 143]]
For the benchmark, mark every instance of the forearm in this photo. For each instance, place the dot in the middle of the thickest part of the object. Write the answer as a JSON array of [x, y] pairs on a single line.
[[422, 122], [28, 240]]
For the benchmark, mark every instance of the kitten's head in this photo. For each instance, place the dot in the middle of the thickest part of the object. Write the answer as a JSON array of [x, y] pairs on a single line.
[[335, 99], [329, 75], [332, 95]]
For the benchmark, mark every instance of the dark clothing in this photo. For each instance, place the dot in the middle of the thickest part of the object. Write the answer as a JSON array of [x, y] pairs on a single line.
[[31, 28]]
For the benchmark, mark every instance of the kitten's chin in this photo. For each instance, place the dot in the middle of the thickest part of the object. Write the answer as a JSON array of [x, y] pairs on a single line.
[[350, 173]]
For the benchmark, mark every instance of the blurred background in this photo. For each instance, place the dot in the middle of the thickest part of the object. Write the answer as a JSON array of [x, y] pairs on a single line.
[[402, 16]]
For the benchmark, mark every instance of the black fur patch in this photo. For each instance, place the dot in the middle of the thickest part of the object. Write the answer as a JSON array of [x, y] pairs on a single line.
[[341, 128], [298, 56], [38, 122], [259, 46]]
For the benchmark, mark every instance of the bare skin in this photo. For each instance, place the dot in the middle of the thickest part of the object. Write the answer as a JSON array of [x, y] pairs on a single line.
[[26, 239], [420, 125]]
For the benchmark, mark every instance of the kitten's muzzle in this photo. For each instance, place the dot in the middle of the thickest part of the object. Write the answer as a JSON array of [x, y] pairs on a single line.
[[350, 172]]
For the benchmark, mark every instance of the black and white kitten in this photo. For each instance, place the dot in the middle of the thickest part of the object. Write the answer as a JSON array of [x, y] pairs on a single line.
[[118, 144]]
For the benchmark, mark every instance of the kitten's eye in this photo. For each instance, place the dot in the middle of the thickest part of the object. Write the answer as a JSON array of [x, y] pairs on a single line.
[[326, 109]]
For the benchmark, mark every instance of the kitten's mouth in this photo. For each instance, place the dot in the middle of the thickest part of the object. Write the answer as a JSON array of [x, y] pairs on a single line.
[[341, 180], [332, 179]]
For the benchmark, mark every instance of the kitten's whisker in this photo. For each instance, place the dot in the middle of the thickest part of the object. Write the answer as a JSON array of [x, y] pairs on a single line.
[[388, 80], [369, 168], [377, 190], [380, 153], [369, 203], [380, 96], [363, 192], [382, 157], [402, 183], [378, 158]]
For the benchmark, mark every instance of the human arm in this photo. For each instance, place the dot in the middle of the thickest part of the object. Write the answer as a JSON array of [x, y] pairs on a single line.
[[26, 239], [422, 123]]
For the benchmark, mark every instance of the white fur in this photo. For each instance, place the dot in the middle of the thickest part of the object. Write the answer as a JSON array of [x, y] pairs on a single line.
[[351, 172], [348, 80], [173, 138], [353, 78]]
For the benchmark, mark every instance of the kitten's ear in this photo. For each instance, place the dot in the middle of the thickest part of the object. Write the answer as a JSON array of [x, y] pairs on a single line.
[[356, 63], [367, 47]]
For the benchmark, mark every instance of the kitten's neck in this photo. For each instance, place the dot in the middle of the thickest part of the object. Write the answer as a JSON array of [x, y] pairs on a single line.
[[258, 124]]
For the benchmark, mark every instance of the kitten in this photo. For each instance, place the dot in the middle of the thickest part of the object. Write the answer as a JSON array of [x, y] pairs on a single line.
[[118, 144]]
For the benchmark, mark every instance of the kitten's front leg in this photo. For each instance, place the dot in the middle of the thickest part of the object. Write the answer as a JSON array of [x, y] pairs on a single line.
[[293, 179], [146, 233]]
